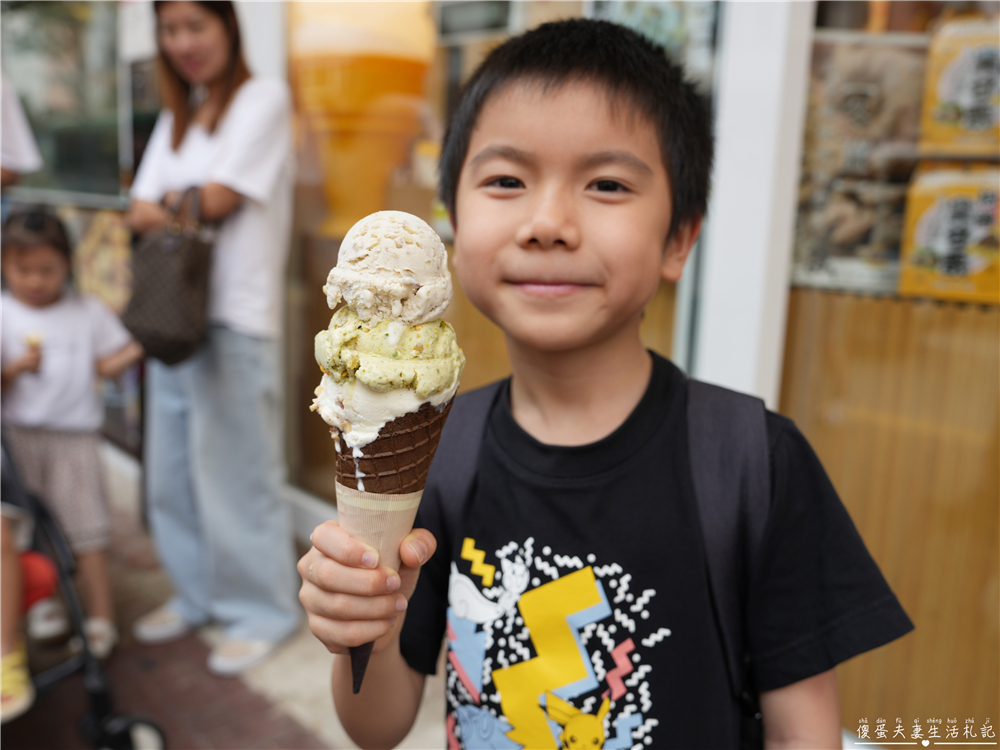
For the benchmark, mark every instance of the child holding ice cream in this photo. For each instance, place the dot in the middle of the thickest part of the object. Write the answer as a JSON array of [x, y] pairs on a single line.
[[56, 344], [570, 584]]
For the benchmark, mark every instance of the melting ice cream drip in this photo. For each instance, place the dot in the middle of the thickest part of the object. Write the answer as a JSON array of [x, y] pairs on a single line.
[[358, 474]]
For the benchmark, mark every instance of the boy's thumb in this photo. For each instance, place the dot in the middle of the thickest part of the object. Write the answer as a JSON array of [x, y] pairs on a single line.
[[417, 548]]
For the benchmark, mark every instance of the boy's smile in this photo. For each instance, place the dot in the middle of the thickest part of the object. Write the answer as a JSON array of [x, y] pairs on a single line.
[[563, 208]]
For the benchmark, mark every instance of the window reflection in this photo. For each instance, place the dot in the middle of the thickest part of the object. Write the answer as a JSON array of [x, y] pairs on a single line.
[[62, 59]]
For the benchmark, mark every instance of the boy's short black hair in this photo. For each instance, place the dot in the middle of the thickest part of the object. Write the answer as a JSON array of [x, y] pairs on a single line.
[[34, 226], [630, 67]]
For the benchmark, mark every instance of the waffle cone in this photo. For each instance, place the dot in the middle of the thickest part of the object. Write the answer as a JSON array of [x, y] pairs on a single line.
[[397, 461]]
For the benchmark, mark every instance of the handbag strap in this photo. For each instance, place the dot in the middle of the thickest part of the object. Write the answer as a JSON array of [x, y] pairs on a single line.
[[193, 198]]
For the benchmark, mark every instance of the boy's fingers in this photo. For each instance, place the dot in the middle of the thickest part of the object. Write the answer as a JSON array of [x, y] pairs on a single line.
[[335, 543], [340, 636], [417, 548], [347, 607], [329, 575]]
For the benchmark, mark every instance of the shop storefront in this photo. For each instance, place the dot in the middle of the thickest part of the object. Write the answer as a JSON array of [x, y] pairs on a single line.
[[890, 362]]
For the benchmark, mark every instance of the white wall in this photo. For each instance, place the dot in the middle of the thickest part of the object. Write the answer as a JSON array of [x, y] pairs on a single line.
[[762, 81], [264, 28], [136, 31]]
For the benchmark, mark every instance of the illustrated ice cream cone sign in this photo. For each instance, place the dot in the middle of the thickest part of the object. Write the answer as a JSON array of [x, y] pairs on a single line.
[[391, 368], [359, 74]]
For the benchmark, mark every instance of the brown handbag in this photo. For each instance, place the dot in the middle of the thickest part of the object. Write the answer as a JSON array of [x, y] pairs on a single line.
[[168, 310]]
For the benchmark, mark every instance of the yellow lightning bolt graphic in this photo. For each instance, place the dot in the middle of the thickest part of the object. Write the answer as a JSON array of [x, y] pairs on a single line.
[[476, 557], [558, 663]]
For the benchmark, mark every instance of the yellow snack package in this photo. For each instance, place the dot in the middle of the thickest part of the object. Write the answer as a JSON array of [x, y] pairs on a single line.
[[961, 108], [950, 235]]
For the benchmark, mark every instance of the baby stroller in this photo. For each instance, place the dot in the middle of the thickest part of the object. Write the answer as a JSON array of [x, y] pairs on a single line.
[[99, 726]]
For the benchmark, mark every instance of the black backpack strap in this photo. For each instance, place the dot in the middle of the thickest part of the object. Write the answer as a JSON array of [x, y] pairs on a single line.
[[731, 468], [453, 471]]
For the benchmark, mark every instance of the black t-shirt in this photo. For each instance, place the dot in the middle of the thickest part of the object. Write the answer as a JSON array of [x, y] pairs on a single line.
[[572, 588]]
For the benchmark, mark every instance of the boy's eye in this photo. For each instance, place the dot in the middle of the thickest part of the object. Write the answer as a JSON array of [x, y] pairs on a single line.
[[507, 183], [609, 186]]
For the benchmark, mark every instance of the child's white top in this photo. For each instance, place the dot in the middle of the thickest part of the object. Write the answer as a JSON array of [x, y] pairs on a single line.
[[249, 152], [74, 332]]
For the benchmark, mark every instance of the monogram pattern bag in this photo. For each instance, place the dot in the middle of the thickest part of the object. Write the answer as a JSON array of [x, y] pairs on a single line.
[[170, 270]]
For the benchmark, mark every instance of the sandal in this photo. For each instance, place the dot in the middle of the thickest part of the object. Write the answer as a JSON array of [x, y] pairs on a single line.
[[102, 637], [17, 693], [46, 620]]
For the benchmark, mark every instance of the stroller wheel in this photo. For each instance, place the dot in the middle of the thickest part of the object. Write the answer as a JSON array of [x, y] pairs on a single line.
[[130, 733]]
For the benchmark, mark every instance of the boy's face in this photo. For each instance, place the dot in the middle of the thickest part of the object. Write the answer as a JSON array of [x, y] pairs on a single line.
[[562, 214]]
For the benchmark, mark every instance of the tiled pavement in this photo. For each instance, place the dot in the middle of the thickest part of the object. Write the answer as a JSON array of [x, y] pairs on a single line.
[[167, 683], [170, 685]]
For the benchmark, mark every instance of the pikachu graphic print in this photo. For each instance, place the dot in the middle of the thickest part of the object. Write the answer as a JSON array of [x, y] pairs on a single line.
[[547, 651]]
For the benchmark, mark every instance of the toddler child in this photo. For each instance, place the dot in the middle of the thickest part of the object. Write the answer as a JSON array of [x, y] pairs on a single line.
[[55, 345], [572, 584]]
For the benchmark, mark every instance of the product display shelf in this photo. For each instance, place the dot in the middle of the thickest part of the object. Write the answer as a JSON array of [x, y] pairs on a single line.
[[899, 399]]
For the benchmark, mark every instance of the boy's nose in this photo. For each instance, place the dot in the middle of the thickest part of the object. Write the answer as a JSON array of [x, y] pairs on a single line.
[[551, 223]]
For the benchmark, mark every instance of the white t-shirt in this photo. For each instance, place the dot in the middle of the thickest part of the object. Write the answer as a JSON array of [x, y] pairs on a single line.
[[18, 151], [74, 333], [249, 152]]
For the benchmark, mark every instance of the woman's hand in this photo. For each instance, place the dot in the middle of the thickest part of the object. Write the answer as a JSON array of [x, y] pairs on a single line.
[[217, 202], [351, 600], [171, 199], [144, 216]]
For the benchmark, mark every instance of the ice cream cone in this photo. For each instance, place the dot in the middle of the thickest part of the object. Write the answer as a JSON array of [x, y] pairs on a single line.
[[378, 491], [398, 460], [391, 368], [359, 664]]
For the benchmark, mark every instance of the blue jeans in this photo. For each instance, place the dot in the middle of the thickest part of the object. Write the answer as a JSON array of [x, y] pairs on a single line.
[[214, 466]]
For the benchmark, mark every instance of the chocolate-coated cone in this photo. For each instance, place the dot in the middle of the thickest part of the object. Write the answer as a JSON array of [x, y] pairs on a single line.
[[359, 664], [395, 463]]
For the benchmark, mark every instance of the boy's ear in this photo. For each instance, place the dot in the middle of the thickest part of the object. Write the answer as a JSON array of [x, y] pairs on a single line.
[[678, 249]]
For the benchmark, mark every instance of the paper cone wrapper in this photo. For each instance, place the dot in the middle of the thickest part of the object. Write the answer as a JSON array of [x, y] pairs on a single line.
[[378, 520]]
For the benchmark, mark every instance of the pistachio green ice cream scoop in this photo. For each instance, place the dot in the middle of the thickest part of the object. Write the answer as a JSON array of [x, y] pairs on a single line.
[[424, 358]]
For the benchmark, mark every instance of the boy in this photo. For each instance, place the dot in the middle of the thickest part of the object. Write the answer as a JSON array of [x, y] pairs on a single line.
[[571, 583]]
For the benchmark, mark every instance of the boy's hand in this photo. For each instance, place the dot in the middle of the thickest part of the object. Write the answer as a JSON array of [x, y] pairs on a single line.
[[349, 599]]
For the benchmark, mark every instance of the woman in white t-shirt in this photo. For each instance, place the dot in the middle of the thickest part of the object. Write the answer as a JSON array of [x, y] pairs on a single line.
[[213, 439]]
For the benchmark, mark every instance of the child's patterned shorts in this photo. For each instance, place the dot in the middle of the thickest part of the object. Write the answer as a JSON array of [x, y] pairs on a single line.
[[64, 470]]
